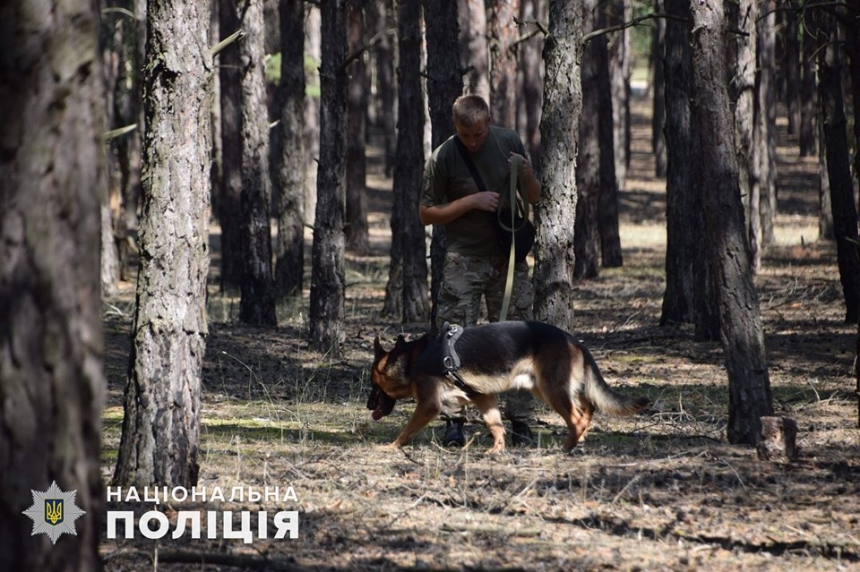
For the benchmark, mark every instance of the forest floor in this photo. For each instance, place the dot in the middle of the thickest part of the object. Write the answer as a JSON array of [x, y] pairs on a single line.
[[662, 491]]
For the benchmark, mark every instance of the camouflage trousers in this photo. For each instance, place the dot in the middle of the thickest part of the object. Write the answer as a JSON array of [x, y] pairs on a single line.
[[468, 279]]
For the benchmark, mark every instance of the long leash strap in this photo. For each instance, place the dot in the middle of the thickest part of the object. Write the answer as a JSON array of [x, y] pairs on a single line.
[[509, 283]]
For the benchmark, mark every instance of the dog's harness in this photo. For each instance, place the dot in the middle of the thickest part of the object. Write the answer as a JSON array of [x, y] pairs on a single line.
[[450, 360]]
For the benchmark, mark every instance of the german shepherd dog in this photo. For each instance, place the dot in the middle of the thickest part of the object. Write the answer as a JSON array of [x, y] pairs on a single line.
[[494, 358]]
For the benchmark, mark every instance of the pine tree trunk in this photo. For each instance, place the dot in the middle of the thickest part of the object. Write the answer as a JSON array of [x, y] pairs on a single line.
[[444, 85], [658, 93], [744, 16], [385, 21], [473, 50], [52, 181], [257, 305], [808, 105], [357, 237], [834, 127], [502, 32], [161, 427], [555, 213], [230, 199], [612, 133], [531, 67], [327, 277], [740, 322], [586, 231], [619, 12], [408, 243], [290, 245], [766, 124], [678, 298]]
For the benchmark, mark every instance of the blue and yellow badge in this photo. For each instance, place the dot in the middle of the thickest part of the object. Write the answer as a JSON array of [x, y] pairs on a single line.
[[54, 512]]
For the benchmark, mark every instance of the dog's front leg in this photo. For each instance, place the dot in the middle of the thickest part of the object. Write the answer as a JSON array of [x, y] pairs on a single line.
[[488, 405], [427, 408]]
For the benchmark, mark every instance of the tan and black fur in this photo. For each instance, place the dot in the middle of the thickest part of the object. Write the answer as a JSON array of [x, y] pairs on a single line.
[[497, 357]]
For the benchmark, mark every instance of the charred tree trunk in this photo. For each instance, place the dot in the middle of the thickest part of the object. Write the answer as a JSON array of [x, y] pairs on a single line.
[[52, 182], [290, 245], [444, 85], [555, 213], [327, 277], [161, 427], [740, 322]]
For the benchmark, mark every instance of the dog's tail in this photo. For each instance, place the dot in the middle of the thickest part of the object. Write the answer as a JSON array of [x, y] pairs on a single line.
[[604, 398]]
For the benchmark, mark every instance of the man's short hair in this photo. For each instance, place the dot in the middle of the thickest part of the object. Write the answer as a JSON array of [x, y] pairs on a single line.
[[469, 110]]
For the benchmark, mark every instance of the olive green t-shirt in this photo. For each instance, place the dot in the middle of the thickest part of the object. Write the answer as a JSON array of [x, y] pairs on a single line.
[[447, 178]]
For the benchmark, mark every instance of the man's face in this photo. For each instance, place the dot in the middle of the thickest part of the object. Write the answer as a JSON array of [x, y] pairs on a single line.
[[473, 136]]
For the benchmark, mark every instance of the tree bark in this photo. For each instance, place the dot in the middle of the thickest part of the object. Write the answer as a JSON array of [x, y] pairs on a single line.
[[52, 181], [407, 295], [743, 88], [357, 237], [257, 305], [161, 427], [613, 121], [658, 93], [502, 32], [229, 202], [689, 295], [834, 127], [555, 213], [473, 46], [327, 277], [531, 68], [586, 229], [740, 322], [617, 13], [290, 245], [766, 134], [808, 105], [444, 85]]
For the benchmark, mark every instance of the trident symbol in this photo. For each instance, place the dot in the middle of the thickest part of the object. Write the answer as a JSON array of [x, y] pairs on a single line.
[[53, 511]]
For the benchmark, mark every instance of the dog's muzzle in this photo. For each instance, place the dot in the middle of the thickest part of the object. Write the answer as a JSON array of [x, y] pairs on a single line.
[[380, 403]]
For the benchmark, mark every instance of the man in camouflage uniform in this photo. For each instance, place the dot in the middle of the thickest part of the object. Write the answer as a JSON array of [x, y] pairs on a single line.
[[475, 265]]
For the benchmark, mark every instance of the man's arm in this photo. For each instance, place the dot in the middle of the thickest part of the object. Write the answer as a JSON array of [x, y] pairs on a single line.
[[446, 212], [530, 180]]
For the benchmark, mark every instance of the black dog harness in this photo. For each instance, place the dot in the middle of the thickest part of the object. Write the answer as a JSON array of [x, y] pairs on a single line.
[[450, 360]]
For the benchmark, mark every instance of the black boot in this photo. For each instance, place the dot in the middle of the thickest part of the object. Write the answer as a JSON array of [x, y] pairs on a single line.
[[453, 433], [521, 434]]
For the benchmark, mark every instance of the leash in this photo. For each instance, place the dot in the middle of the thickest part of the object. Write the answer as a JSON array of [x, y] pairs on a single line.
[[516, 163]]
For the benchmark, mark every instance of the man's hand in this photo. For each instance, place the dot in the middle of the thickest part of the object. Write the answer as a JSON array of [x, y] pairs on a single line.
[[485, 201]]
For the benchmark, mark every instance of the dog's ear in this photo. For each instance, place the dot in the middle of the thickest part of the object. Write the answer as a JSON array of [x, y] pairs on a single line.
[[378, 349], [401, 341]]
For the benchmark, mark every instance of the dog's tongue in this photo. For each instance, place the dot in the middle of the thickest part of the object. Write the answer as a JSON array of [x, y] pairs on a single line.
[[377, 414]]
